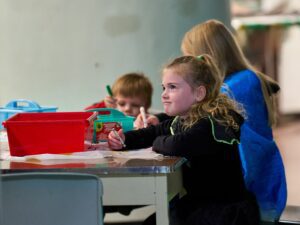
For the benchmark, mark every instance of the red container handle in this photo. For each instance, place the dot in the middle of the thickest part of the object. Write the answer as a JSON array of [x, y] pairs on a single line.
[[92, 118]]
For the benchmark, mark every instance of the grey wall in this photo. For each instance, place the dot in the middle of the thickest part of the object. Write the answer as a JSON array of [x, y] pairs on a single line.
[[64, 52]]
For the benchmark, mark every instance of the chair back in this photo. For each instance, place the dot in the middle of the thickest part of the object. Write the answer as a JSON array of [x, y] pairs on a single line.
[[52, 198]]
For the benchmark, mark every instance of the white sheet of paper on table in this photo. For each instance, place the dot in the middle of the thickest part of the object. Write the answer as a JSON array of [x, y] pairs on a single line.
[[95, 154]]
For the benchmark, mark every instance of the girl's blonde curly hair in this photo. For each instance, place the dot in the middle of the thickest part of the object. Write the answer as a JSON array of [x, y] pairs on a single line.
[[202, 71]]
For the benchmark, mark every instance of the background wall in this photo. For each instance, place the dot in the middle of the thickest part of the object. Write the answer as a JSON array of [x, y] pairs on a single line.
[[289, 68], [64, 52]]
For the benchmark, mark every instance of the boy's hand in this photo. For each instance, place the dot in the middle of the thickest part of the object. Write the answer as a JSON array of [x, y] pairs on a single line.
[[110, 102], [151, 120], [114, 141]]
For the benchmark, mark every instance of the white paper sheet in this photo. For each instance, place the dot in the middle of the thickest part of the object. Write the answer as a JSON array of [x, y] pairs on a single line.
[[95, 154]]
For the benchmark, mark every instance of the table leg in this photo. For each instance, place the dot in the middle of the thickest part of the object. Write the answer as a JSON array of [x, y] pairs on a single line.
[[161, 201]]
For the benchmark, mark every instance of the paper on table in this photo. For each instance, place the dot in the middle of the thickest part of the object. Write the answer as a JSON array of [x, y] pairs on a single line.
[[96, 154], [137, 154], [75, 155]]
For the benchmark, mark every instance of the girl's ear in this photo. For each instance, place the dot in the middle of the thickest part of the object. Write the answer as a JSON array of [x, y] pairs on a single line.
[[200, 93]]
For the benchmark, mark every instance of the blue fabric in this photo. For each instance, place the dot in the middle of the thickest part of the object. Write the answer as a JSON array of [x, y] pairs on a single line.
[[261, 160]]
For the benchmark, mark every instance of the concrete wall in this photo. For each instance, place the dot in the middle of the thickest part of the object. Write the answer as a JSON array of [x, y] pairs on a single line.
[[64, 52]]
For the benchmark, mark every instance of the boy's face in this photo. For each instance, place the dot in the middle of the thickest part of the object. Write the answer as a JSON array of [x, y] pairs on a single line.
[[130, 106], [177, 96]]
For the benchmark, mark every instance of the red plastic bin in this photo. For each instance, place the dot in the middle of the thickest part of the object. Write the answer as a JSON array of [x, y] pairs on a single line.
[[56, 132]]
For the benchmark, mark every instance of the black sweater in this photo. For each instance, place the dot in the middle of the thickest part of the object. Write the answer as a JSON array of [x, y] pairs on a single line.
[[213, 171], [216, 193]]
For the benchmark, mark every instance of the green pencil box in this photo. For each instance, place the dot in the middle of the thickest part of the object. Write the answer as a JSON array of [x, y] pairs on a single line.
[[108, 119]]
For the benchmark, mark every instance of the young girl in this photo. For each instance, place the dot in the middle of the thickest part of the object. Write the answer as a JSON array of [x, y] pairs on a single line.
[[206, 132], [263, 167]]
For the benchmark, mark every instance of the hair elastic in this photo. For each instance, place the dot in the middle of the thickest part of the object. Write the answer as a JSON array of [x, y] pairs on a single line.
[[200, 57]]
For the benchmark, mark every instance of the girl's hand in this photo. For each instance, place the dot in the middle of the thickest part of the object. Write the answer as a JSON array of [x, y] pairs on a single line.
[[151, 120], [114, 141], [110, 102]]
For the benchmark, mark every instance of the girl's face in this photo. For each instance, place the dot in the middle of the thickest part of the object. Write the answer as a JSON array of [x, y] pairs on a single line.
[[177, 96], [130, 106]]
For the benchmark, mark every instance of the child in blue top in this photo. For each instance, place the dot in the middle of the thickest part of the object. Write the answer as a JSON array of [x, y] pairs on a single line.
[[262, 164], [206, 132]]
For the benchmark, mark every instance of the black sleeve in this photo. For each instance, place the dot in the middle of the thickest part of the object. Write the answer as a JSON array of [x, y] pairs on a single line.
[[143, 138], [193, 142], [162, 117]]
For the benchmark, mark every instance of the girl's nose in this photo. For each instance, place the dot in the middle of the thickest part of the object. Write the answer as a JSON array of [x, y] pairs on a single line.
[[164, 94]]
